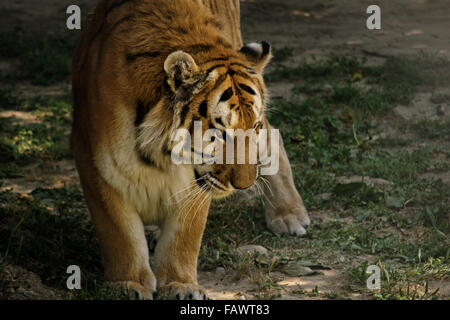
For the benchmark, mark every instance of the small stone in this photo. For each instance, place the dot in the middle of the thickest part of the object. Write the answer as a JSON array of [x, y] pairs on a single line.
[[440, 111], [220, 272], [20, 290], [342, 259], [325, 196], [297, 270], [243, 298], [363, 179], [252, 249], [28, 293]]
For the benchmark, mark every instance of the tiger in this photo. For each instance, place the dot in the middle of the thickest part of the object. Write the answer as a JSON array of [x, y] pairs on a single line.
[[142, 70]]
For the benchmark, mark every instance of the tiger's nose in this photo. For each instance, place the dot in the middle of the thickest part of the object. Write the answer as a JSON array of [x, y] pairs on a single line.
[[243, 176]]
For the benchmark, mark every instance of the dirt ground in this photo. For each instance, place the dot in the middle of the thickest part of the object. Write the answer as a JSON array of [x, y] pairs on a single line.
[[311, 28]]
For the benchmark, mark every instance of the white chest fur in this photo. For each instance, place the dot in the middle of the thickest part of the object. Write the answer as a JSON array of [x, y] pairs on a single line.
[[153, 192]]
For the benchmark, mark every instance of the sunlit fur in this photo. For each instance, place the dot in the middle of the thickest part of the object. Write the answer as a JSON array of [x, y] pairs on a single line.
[[142, 69]]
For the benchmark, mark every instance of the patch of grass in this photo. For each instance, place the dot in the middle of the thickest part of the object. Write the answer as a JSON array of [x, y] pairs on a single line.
[[42, 61], [439, 98], [333, 133], [31, 142], [9, 97], [10, 170], [432, 129], [334, 67], [374, 99], [47, 138], [369, 238], [266, 286], [222, 236], [424, 69], [3, 282], [47, 241], [392, 142], [282, 54], [397, 79], [92, 290], [437, 218], [398, 282]]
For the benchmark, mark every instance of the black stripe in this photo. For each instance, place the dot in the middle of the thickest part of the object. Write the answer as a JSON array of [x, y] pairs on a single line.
[[199, 47], [266, 48], [146, 160], [221, 41], [122, 20], [141, 111], [131, 57], [248, 51], [243, 75], [247, 88], [216, 59], [227, 95], [214, 67], [214, 22], [203, 109], [184, 113], [115, 5], [216, 185], [219, 81], [119, 22], [260, 87], [239, 65], [166, 151], [100, 29], [182, 30], [219, 121]]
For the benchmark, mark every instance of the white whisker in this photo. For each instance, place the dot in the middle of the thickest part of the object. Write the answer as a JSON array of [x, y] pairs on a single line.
[[205, 198], [267, 183], [268, 187]]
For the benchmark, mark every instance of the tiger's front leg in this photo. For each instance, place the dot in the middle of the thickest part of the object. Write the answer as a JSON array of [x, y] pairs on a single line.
[[177, 252], [285, 211]]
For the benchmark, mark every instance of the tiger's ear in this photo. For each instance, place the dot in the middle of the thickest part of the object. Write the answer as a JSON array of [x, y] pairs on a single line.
[[180, 68], [258, 53]]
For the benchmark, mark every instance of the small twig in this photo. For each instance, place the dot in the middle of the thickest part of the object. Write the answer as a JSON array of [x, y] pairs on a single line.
[[375, 54]]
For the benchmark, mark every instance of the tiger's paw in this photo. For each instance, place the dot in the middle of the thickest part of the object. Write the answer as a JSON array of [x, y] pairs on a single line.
[[293, 222], [135, 290], [183, 291]]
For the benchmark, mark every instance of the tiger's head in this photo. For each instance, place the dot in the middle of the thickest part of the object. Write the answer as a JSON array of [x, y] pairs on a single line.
[[214, 98]]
